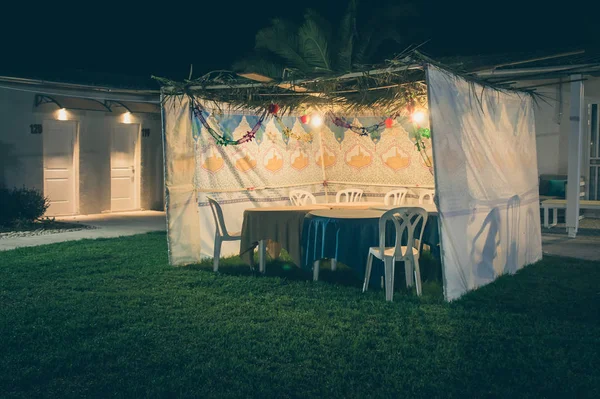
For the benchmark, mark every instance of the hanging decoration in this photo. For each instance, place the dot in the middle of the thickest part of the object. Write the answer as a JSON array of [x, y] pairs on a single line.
[[370, 120], [360, 130], [221, 139], [417, 135], [289, 133], [273, 109]]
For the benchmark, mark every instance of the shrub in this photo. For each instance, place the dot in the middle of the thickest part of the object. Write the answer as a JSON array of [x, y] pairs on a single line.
[[21, 205], [6, 205]]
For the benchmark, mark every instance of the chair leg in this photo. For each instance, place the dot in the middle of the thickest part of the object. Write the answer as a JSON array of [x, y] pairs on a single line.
[[408, 273], [389, 278], [368, 272], [316, 267], [261, 256], [393, 272], [418, 276], [333, 265], [216, 254]]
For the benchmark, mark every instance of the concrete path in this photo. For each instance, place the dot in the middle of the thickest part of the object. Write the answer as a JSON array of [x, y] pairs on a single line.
[[108, 225], [554, 241], [582, 247], [585, 246]]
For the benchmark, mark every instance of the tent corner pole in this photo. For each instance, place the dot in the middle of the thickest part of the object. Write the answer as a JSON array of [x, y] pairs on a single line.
[[323, 165], [435, 185], [576, 117]]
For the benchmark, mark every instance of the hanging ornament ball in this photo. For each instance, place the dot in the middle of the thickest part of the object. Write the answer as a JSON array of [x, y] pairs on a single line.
[[305, 119], [389, 122], [273, 109]]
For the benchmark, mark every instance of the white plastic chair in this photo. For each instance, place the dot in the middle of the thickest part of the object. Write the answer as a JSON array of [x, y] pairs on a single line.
[[349, 195], [405, 219], [301, 197], [221, 233], [426, 196], [396, 197]]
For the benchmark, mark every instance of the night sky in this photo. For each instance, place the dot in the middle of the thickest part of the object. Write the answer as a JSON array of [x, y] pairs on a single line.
[[143, 39]]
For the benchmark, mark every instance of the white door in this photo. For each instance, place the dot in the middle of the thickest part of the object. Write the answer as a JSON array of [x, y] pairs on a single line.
[[123, 167], [59, 177]]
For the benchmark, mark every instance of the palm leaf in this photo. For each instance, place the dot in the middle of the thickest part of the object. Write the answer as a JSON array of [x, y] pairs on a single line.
[[260, 65], [381, 27], [280, 38], [313, 43], [346, 36]]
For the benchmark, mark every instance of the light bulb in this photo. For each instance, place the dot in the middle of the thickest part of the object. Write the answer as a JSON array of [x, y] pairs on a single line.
[[418, 117], [316, 120], [127, 117], [62, 114]]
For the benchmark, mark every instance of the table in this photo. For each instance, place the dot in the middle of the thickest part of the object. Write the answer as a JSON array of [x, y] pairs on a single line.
[[282, 224], [556, 204], [430, 208], [346, 235], [352, 205]]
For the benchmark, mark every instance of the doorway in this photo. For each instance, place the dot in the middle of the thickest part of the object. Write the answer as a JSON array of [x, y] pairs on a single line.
[[124, 167], [60, 159]]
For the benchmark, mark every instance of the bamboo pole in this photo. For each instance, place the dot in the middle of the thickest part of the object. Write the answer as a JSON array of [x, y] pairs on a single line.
[[323, 165], [242, 189], [381, 185]]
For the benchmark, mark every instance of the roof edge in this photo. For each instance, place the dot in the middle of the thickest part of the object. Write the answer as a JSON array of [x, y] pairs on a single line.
[[79, 90]]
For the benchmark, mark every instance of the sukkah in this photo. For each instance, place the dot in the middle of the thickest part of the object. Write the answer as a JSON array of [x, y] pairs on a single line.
[[246, 144]]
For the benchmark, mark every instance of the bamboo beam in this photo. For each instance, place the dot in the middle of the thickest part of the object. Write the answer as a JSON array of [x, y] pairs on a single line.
[[528, 61]]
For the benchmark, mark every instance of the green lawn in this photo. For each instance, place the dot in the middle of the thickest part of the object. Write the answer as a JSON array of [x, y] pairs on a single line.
[[110, 318]]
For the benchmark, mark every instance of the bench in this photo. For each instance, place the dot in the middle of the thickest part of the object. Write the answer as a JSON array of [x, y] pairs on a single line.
[[556, 204]]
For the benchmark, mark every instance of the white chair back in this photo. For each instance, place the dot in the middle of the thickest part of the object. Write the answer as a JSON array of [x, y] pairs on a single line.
[[426, 196], [349, 195], [405, 219], [301, 197], [396, 197], [218, 216]]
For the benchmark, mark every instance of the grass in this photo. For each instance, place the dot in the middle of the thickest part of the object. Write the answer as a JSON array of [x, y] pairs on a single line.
[[110, 318]]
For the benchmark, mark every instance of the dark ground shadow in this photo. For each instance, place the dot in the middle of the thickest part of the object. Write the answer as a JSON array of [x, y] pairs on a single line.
[[284, 268]]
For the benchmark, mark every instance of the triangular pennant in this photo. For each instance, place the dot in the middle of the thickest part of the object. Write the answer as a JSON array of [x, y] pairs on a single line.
[[252, 121], [371, 122], [288, 121], [197, 125], [338, 131], [228, 124], [308, 130]]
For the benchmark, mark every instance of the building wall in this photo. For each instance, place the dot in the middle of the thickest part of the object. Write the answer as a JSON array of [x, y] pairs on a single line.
[[21, 159], [553, 126]]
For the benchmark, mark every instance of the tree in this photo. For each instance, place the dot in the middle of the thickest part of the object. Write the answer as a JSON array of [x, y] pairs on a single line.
[[318, 48]]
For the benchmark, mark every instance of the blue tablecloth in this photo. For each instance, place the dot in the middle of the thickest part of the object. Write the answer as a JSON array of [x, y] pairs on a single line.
[[348, 241]]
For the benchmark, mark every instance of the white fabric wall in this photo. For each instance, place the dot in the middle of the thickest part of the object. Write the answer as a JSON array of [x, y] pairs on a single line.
[[486, 181], [225, 173], [183, 227]]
